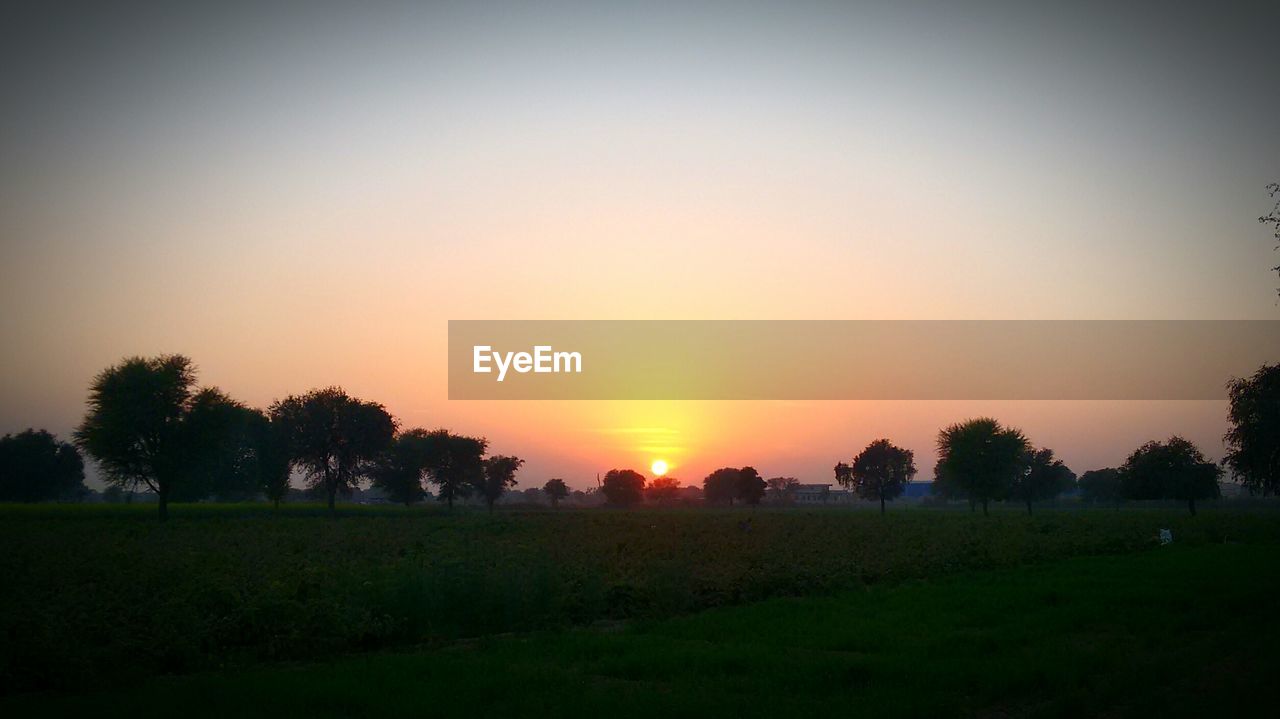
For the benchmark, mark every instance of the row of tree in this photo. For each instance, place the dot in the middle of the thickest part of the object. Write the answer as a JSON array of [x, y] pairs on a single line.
[[148, 424]]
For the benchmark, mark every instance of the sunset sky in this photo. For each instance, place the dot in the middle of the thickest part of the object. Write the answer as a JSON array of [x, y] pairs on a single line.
[[296, 197]]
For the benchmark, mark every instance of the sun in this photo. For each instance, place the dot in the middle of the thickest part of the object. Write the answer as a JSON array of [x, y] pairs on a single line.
[[659, 467]]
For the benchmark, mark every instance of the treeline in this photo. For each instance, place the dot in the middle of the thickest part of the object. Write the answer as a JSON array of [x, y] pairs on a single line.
[[149, 425]]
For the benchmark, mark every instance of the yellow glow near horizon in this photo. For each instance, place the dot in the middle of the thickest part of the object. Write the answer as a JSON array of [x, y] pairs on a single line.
[[659, 467]]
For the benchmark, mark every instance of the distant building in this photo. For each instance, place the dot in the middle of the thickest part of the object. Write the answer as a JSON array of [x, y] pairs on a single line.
[[811, 493]]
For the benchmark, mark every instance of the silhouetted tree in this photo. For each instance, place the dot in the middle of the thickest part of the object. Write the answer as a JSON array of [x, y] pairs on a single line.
[[36, 467], [555, 490], [663, 490], [1043, 476], [721, 485], [1253, 442], [228, 466], [274, 457], [334, 437], [750, 486], [1171, 470], [147, 423], [879, 472], [1273, 218], [455, 463], [981, 458], [781, 488], [399, 471], [499, 473], [623, 487], [1101, 486]]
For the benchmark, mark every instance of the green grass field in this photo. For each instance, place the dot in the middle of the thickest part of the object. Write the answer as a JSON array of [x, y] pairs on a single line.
[[918, 612], [1179, 631]]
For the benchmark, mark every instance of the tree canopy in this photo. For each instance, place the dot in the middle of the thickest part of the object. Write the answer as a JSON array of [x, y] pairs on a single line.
[[399, 471], [623, 487], [147, 423], [455, 463], [1042, 477], [1253, 441], [880, 472], [556, 490], [36, 467], [1101, 486], [1175, 469], [721, 485], [334, 437], [499, 473], [980, 458], [750, 487]]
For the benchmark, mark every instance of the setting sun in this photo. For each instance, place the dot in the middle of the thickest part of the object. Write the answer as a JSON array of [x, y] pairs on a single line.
[[659, 467]]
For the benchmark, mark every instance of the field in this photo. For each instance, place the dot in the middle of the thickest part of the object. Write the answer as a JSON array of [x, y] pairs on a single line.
[[687, 608]]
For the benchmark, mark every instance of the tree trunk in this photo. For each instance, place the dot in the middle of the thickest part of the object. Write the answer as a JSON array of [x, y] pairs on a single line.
[[1028, 508], [275, 505], [332, 492], [882, 506], [449, 500], [985, 513], [490, 503], [1191, 505], [163, 497], [973, 505]]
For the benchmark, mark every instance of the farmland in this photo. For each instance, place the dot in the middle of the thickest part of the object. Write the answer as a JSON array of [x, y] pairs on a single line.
[[95, 595]]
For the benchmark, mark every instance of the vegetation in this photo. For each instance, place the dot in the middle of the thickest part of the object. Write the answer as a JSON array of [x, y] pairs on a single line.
[[1253, 442], [1043, 477], [36, 467], [94, 595], [499, 473], [1101, 486], [879, 472], [147, 423], [623, 487], [555, 490], [1171, 470], [334, 437], [980, 459]]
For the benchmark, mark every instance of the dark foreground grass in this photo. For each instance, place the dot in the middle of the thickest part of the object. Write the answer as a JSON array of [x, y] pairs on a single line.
[[92, 598], [1177, 631]]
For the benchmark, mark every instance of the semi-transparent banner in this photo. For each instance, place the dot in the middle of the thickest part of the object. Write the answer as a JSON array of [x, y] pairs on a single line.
[[854, 359]]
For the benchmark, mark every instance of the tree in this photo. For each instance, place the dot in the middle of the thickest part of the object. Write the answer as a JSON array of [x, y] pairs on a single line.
[[721, 485], [780, 489], [555, 490], [1173, 470], [36, 467], [400, 469], [274, 458], [1043, 476], [881, 471], [148, 424], [1273, 218], [1253, 442], [623, 487], [663, 490], [499, 473], [980, 458], [455, 463], [334, 437], [1101, 486], [228, 465], [750, 486]]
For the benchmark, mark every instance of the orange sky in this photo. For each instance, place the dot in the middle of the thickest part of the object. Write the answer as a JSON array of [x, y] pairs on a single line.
[[313, 207]]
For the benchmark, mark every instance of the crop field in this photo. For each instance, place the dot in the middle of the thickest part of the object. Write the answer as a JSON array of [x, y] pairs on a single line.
[[93, 596]]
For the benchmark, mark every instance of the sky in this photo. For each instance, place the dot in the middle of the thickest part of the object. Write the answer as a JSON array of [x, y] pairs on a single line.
[[298, 195]]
